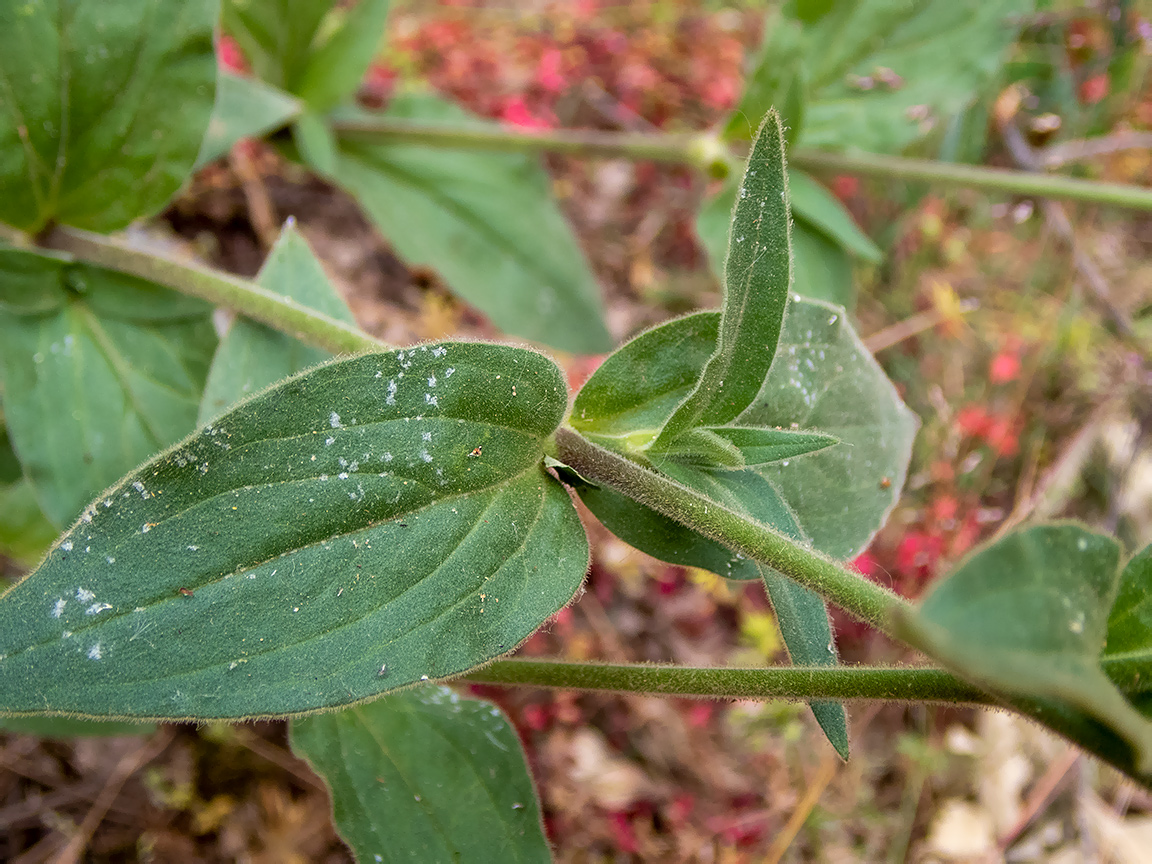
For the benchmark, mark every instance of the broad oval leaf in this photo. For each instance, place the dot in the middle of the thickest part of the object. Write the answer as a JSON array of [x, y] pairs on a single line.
[[101, 373], [1129, 639], [487, 222], [1026, 616], [103, 106], [426, 775], [251, 355], [757, 278], [375, 522]]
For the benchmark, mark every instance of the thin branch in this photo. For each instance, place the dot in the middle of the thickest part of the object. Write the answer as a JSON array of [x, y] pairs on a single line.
[[1083, 149], [242, 296]]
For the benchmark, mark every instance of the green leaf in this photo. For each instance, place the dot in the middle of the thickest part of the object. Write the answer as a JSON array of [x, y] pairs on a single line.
[[777, 80], [276, 36], [1130, 621], [757, 276], [704, 447], [426, 775], [316, 143], [253, 356], [110, 372], [365, 525], [487, 222], [72, 727], [245, 108], [336, 67], [942, 51], [819, 208], [102, 107], [25, 533], [1026, 617], [761, 445], [821, 270]]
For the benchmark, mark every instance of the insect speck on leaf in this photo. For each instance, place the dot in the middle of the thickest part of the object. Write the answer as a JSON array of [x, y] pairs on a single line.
[[187, 592], [383, 670], [475, 452], [885, 482]]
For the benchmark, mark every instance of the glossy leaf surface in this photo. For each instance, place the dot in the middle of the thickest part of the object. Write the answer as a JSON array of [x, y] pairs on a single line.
[[245, 107], [487, 222], [757, 278], [426, 775], [1027, 617], [252, 356], [103, 106], [364, 526], [99, 371]]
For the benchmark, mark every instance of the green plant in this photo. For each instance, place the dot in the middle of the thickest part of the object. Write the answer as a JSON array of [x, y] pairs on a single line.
[[340, 536]]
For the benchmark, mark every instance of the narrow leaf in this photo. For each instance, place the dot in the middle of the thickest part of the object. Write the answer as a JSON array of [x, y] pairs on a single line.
[[336, 67], [777, 80], [704, 447], [820, 209], [102, 107], [426, 775], [760, 445], [245, 108], [757, 276], [369, 524], [276, 36], [487, 222], [108, 377], [252, 356], [821, 269], [316, 143], [1026, 616]]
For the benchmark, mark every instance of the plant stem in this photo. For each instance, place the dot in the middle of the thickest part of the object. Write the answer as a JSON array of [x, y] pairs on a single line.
[[777, 682], [865, 600], [707, 152], [223, 289], [976, 177], [703, 150]]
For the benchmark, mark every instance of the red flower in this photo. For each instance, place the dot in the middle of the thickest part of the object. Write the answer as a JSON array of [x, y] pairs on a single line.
[[1005, 367], [229, 56], [1094, 89], [517, 113], [974, 420], [548, 73]]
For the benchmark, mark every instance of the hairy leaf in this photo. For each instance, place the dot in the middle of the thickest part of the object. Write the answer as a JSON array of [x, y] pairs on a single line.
[[487, 222], [103, 106], [369, 524], [426, 775], [251, 355], [757, 277], [100, 373], [821, 269], [245, 107], [1026, 616]]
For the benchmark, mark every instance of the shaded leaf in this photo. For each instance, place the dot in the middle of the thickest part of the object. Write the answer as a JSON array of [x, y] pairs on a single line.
[[1026, 616], [941, 53], [25, 533], [757, 277], [316, 143], [820, 209], [426, 775], [1129, 638], [71, 727], [251, 355], [326, 541], [101, 374], [777, 79], [102, 107], [487, 222], [276, 36], [335, 67], [245, 108]]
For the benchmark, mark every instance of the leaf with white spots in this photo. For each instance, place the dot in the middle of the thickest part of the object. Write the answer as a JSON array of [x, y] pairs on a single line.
[[252, 355], [99, 371], [1026, 617], [103, 106], [369, 524], [426, 775]]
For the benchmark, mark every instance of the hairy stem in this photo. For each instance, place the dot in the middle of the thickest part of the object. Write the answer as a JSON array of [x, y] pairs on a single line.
[[707, 152], [865, 600], [222, 289], [975, 177], [777, 682]]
